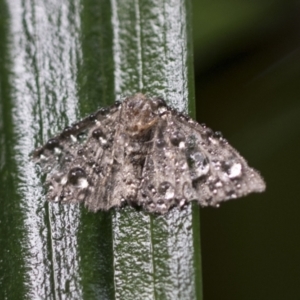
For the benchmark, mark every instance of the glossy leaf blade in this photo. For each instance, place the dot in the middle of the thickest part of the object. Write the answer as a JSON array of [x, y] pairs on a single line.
[[66, 58]]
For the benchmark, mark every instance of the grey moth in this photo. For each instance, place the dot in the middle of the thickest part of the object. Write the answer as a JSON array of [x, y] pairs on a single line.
[[143, 153]]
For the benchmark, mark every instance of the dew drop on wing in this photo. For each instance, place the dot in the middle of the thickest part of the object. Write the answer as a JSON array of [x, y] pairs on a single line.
[[52, 143], [68, 158], [92, 117], [82, 136], [232, 169], [218, 135], [208, 132], [67, 131], [199, 165], [187, 191], [97, 133], [167, 190], [80, 152], [75, 174], [160, 143], [160, 204], [176, 138], [158, 102]]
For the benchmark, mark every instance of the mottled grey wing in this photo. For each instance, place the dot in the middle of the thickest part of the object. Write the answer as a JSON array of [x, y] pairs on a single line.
[[188, 161], [166, 180], [80, 161], [218, 171]]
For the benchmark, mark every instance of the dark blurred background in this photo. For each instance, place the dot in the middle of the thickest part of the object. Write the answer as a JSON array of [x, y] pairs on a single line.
[[247, 70]]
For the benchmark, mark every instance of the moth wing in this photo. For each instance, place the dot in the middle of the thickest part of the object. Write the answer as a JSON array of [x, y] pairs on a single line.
[[166, 180], [80, 161], [218, 172]]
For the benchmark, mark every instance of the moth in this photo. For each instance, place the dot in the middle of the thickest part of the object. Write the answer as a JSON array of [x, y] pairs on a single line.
[[143, 153]]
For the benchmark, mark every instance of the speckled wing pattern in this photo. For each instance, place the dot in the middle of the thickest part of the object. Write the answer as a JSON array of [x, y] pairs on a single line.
[[143, 153]]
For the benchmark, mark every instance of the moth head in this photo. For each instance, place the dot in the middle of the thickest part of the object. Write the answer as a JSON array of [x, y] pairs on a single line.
[[140, 113]]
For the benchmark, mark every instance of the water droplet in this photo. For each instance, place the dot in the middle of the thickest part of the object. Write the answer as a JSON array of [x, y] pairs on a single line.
[[151, 188], [52, 143], [182, 145], [187, 191], [118, 103], [92, 117], [191, 142], [176, 138], [67, 131], [219, 184], [103, 111], [232, 169], [184, 166], [81, 137], [235, 170], [218, 134], [208, 132], [152, 205], [57, 151], [167, 190], [160, 202], [75, 174], [158, 102], [63, 180], [161, 205], [103, 142], [97, 169], [231, 194], [43, 157], [199, 165], [97, 133], [68, 158], [73, 138], [182, 202], [160, 143], [92, 163]]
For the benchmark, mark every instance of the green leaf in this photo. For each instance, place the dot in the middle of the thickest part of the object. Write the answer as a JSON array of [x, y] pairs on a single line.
[[63, 59]]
